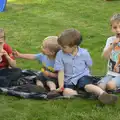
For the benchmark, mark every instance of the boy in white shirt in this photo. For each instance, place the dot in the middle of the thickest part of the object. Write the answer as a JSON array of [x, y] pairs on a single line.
[[111, 52]]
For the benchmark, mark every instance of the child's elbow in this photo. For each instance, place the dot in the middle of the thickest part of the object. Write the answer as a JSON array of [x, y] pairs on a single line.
[[105, 55], [13, 65], [90, 63]]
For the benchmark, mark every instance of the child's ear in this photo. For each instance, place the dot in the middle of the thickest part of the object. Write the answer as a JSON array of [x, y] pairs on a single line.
[[75, 46], [53, 53]]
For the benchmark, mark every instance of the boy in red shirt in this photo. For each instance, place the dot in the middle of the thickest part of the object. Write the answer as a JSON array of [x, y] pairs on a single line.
[[8, 72]]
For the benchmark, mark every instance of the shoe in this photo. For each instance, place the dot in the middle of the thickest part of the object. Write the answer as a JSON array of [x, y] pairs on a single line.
[[53, 94], [106, 98]]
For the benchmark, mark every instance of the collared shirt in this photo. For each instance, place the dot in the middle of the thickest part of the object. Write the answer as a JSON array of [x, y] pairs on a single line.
[[74, 67], [46, 62]]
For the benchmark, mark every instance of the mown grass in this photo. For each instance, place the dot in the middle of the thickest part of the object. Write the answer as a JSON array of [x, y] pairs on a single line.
[[28, 22]]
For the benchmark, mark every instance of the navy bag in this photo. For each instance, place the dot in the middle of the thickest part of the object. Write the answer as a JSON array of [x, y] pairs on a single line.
[[2, 5]]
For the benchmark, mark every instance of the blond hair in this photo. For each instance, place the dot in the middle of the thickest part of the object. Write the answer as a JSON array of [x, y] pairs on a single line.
[[52, 43], [115, 18]]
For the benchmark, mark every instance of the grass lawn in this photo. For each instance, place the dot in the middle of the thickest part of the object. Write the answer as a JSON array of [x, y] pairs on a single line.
[[28, 22]]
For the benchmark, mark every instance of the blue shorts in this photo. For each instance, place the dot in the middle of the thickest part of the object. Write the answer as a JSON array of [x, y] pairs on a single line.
[[85, 80], [108, 78], [71, 86]]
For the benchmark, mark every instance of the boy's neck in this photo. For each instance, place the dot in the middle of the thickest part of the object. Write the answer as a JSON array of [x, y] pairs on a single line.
[[51, 57], [75, 51]]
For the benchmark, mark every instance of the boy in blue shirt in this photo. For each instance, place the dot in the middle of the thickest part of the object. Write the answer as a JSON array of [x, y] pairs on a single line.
[[49, 49], [72, 64]]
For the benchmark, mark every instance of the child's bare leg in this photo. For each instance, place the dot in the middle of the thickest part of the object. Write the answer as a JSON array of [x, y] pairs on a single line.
[[111, 85], [103, 82], [114, 83], [51, 85], [102, 95], [94, 89], [69, 92], [102, 86], [39, 83]]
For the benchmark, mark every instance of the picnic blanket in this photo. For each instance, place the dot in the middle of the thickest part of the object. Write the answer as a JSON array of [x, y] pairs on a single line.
[[25, 87]]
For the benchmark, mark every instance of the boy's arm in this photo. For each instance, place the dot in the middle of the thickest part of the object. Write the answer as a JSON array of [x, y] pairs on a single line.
[[25, 56], [60, 81], [109, 47], [106, 53], [59, 66], [11, 61], [50, 74], [88, 59], [117, 64], [28, 56], [60, 76]]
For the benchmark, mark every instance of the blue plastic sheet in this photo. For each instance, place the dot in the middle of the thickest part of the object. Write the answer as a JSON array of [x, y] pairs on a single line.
[[2, 5]]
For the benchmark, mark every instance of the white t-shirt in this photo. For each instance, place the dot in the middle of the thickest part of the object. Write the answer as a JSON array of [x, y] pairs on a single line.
[[113, 57]]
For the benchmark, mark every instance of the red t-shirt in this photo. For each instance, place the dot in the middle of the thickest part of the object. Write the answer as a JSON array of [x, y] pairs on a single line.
[[4, 62]]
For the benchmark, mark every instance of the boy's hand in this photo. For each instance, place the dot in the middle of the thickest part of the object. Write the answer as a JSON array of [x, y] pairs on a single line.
[[1, 54], [49, 74], [16, 54], [116, 69], [46, 73], [116, 42], [60, 89], [5, 53]]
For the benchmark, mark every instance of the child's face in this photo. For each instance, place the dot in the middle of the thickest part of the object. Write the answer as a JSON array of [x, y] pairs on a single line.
[[116, 28], [2, 40], [46, 50], [68, 50]]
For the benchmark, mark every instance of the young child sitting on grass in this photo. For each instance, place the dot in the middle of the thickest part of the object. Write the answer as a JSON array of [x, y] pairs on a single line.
[[49, 49], [72, 64], [111, 52], [8, 71]]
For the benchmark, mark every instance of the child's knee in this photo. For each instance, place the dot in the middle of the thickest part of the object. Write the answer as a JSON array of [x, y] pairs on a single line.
[[39, 83], [66, 91], [69, 92], [87, 87], [111, 85], [102, 86], [50, 83]]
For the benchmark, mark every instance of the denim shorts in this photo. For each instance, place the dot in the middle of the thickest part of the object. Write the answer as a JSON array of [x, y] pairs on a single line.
[[108, 78], [85, 80], [71, 86]]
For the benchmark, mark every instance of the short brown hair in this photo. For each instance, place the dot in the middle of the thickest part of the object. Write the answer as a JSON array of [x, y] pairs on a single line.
[[2, 33], [53, 43], [115, 17], [70, 37]]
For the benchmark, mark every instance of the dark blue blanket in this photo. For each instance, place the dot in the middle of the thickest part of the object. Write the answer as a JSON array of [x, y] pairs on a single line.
[[25, 87]]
